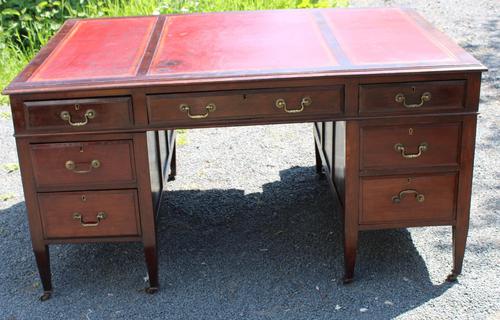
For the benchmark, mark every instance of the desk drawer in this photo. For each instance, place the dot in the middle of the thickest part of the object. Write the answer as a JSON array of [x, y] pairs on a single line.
[[412, 97], [410, 145], [79, 114], [408, 198], [98, 163], [266, 103], [89, 214]]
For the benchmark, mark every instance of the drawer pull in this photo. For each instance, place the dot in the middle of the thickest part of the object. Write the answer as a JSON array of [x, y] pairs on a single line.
[[400, 98], [89, 114], [186, 108], [100, 216], [418, 196], [399, 147], [71, 166], [281, 104]]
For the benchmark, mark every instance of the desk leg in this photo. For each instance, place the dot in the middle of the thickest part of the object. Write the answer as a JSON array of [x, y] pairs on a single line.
[[42, 258], [146, 203], [351, 201], [40, 249], [319, 164], [461, 227], [151, 255], [173, 163], [350, 251]]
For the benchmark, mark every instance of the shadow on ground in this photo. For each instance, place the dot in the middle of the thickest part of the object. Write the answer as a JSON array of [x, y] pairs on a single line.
[[225, 254]]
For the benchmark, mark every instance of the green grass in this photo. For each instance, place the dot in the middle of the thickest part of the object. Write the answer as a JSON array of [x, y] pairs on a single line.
[[22, 34], [10, 167], [146, 7], [11, 62], [182, 137], [5, 115], [7, 196]]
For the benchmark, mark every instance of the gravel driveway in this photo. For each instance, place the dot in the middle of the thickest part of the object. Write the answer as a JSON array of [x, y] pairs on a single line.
[[248, 232]]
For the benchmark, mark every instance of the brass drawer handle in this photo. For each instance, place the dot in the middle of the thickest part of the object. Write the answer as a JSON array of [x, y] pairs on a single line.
[[186, 108], [89, 114], [100, 216], [281, 104], [400, 98], [71, 166], [418, 196], [399, 147]]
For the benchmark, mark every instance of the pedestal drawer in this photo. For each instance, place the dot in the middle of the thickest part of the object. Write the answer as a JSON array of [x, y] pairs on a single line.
[[202, 107], [79, 114], [89, 214], [412, 97], [408, 199], [99, 163], [410, 146]]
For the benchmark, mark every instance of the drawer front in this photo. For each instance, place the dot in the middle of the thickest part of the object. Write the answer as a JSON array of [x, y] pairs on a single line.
[[79, 114], [410, 146], [89, 214], [269, 103], [408, 199], [407, 98], [98, 163]]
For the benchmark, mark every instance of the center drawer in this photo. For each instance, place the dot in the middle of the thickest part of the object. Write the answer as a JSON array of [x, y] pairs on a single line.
[[89, 214], [190, 109], [96, 163]]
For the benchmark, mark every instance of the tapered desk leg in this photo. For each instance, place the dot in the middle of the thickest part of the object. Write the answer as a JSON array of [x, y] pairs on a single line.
[[351, 201], [42, 258], [350, 251], [461, 227], [319, 164], [459, 241], [146, 203], [40, 249], [151, 255], [173, 163]]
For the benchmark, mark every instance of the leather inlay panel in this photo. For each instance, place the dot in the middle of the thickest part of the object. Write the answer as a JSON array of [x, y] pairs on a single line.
[[98, 49], [241, 41], [388, 36]]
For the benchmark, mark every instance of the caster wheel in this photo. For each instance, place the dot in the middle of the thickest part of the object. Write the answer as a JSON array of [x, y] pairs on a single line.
[[452, 277], [45, 296], [151, 290]]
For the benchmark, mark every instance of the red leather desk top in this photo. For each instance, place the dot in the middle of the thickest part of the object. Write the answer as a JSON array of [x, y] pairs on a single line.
[[132, 51]]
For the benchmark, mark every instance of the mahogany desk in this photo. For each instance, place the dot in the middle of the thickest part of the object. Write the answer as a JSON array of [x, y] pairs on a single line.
[[393, 102]]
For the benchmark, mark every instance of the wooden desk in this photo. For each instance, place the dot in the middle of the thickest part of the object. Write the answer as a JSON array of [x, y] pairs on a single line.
[[393, 102]]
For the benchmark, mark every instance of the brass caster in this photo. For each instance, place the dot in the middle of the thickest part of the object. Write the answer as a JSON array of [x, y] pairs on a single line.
[[45, 296], [452, 277], [151, 290]]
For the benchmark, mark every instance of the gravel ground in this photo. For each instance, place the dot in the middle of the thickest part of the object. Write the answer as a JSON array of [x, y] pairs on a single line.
[[249, 232]]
